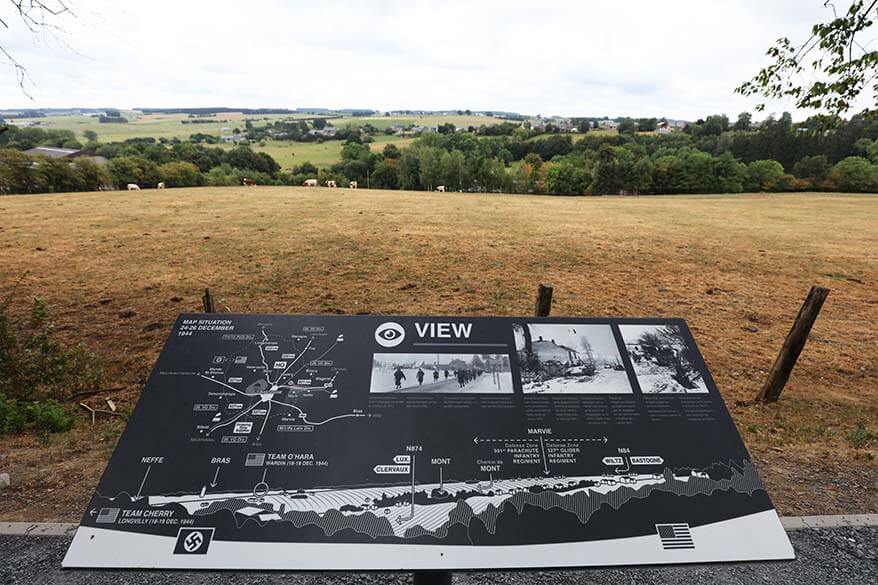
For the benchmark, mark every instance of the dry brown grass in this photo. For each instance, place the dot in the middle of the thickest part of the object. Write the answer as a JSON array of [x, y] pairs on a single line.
[[736, 267]]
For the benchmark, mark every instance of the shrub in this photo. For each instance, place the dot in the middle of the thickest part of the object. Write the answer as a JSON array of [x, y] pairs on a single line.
[[855, 174], [49, 416], [17, 173], [56, 175], [90, 175], [226, 175], [564, 178], [860, 436], [812, 168], [36, 367], [767, 175], [385, 175], [133, 169], [180, 174]]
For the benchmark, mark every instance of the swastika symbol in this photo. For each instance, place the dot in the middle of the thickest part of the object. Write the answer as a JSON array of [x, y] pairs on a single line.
[[193, 542]]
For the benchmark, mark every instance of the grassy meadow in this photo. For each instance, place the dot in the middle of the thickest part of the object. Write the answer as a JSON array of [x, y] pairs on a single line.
[[152, 125], [322, 154], [285, 152], [117, 268], [382, 122]]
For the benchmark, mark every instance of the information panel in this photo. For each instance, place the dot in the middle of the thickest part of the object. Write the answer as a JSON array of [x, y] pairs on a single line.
[[366, 442]]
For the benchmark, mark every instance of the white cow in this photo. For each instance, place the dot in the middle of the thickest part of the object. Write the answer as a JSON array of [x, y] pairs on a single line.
[[160, 185], [133, 187], [330, 184], [310, 182], [441, 188], [353, 184]]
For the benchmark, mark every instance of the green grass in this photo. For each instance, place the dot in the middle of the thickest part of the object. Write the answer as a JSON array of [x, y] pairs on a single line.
[[287, 153], [383, 122], [576, 136], [323, 154], [154, 125], [171, 125]]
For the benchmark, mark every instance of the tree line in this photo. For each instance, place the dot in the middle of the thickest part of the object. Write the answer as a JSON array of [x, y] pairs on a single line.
[[713, 155], [709, 156], [143, 161]]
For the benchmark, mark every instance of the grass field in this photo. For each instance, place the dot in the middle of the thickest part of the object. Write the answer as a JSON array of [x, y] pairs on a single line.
[[736, 267], [152, 125], [383, 122], [322, 154], [576, 136], [285, 152]]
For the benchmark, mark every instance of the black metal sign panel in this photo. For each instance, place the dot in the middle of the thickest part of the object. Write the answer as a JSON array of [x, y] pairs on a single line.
[[361, 442]]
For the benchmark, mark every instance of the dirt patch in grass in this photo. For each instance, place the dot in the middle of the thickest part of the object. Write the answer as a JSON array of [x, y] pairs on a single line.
[[117, 268]]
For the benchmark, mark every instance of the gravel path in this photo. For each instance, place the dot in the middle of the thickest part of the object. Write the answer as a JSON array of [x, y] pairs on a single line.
[[838, 556]]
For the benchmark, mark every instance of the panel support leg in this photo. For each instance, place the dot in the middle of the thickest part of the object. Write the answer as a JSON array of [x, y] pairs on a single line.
[[431, 578]]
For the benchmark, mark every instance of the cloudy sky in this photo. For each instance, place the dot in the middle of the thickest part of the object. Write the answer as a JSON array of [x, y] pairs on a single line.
[[680, 59]]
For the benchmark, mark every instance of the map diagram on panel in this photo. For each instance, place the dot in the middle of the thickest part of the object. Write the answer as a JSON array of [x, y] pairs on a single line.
[[274, 378]]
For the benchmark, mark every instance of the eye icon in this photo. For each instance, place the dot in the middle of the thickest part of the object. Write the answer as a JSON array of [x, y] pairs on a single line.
[[389, 334]]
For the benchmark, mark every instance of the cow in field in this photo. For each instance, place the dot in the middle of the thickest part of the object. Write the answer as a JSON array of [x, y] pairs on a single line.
[[160, 185], [353, 184], [133, 187], [441, 188], [249, 182], [310, 182], [330, 184]]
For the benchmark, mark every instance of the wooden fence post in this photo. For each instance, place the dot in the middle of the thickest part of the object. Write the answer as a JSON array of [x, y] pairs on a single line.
[[207, 301], [544, 300], [792, 345]]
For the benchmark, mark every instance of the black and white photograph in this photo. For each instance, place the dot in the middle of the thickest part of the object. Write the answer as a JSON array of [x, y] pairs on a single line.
[[559, 358], [442, 373], [663, 361]]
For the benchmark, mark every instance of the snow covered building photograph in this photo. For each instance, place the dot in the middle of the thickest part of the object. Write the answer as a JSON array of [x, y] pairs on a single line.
[[559, 358], [663, 361]]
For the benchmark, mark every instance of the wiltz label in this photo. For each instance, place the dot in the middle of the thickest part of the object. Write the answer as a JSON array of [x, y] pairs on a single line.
[[193, 541]]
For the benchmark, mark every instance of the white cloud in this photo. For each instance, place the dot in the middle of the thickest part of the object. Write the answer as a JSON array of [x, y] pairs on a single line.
[[679, 59]]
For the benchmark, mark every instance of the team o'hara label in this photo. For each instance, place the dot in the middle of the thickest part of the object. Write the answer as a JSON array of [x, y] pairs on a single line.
[[361, 442]]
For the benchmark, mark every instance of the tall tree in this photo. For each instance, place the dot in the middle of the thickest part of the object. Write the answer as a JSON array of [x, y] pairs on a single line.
[[646, 124], [430, 168], [534, 166], [744, 122], [454, 174], [627, 126]]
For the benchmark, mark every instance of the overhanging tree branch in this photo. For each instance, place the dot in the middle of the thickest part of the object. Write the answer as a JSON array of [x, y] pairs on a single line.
[[843, 66], [37, 16]]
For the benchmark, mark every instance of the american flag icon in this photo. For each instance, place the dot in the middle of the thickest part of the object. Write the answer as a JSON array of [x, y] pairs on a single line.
[[675, 536], [107, 515], [254, 460]]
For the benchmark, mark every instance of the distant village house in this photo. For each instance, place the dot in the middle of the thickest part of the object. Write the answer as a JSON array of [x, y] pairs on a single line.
[[64, 153]]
